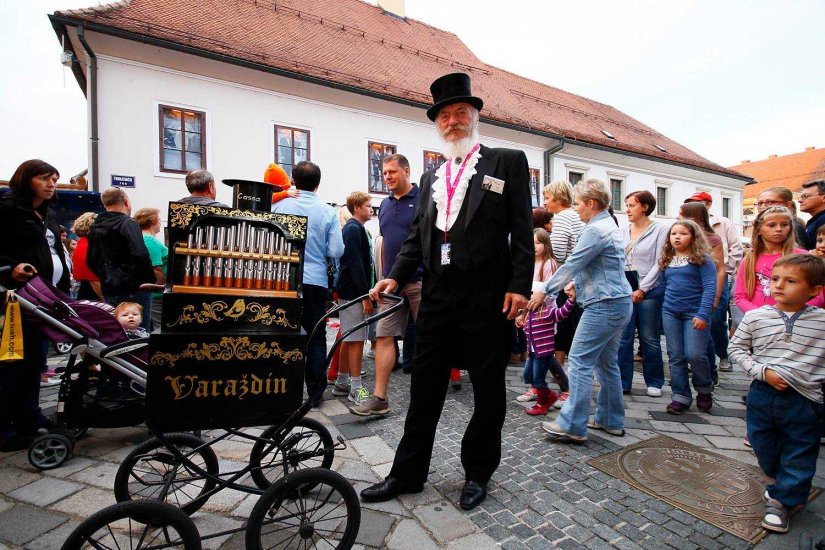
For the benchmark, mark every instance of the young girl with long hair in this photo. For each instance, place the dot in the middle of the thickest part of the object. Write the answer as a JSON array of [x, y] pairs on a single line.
[[773, 237], [540, 329], [689, 276]]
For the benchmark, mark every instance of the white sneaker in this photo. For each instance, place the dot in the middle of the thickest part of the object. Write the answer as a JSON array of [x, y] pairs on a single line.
[[654, 392], [358, 395], [725, 366]]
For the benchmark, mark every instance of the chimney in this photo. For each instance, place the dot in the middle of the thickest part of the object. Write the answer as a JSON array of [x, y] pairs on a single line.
[[771, 156], [393, 7], [810, 148]]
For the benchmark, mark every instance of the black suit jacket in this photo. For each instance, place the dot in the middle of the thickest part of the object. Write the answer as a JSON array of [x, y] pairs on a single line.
[[498, 226]]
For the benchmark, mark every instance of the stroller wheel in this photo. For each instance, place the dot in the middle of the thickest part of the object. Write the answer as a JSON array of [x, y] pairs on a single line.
[[50, 451], [145, 472], [308, 445], [312, 508], [137, 524], [63, 347]]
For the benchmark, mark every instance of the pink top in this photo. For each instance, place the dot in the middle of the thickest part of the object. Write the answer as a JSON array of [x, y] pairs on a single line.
[[762, 288]]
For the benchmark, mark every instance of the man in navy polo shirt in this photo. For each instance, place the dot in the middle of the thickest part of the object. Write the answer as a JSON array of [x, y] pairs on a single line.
[[394, 218]]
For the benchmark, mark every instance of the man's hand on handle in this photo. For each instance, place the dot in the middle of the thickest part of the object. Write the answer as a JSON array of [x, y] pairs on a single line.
[[23, 272], [512, 304], [386, 286]]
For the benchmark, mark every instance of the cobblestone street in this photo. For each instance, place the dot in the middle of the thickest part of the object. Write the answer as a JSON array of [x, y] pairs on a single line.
[[543, 495]]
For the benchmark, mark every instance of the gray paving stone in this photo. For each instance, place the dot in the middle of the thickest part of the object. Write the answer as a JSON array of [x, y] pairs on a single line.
[[100, 475], [688, 418], [22, 524], [86, 502], [353, 432], [71, 466], [663, 426], [374, 450], [707, 429], [375, 527], [45, 491], [409, 535], [444, 521], [723, 442], [14, 478], [356, 470], [53, 539]]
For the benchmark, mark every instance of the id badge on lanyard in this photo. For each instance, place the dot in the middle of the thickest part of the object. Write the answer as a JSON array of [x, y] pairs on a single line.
[[451, 187]]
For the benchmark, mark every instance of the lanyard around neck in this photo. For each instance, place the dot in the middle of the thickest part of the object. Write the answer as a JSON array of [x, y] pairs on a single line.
[[453, 185]]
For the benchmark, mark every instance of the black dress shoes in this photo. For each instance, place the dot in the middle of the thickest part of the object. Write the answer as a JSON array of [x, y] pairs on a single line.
[[388, 489], [472, 495]]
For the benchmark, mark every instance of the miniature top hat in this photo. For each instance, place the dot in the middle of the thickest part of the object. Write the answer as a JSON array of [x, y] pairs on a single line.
[[252, 195], [449, 89]]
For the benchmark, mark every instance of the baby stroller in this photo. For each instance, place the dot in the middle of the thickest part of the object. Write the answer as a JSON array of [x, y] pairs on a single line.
[[102, 386]]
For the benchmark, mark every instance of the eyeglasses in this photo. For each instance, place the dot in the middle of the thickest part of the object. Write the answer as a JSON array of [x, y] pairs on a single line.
[[805, 196], [770, 203]]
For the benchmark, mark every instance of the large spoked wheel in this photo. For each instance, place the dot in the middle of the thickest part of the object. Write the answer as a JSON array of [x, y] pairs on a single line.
[[149, 467], [314, 508], [137, 524], [308, 445], [50, 451]]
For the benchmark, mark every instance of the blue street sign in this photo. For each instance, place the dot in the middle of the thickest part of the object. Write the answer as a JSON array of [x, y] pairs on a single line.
[[123, 181]]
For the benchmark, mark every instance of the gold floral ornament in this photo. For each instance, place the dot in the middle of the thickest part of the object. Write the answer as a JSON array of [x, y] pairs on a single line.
[[230, 348], [182, 214], [240, 311]]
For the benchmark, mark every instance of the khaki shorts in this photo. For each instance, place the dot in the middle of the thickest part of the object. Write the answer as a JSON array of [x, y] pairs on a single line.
[[395, 325], [349, 318]]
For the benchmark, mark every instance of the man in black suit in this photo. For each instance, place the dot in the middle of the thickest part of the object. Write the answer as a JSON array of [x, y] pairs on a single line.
[[473, 235]]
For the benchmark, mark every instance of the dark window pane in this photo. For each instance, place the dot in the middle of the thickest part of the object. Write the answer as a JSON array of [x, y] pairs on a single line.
[[171, 139], [193, 142], [301, 139], [193, 161], [575, 177], [284, 154], [192, 122], [171, 119], [375, 155], [171, 160], [285, 137]]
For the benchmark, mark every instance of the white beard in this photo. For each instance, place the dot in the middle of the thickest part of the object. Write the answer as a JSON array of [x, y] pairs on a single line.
[[461, 147]]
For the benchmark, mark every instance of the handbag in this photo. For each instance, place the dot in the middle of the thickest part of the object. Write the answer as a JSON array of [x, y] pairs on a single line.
[[11, 343], [632, 278]]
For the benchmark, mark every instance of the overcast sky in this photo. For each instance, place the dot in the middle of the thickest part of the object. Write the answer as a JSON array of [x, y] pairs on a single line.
[[730, 79]]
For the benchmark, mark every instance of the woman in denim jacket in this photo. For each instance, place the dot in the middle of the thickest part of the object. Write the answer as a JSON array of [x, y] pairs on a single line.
[[643, 241], [597, 263]]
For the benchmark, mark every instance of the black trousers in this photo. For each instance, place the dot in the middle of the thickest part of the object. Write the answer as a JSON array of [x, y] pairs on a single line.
[[460, 325]]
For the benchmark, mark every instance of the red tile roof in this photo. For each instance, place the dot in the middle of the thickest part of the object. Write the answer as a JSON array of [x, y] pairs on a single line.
[[356, 45], [789, 171]]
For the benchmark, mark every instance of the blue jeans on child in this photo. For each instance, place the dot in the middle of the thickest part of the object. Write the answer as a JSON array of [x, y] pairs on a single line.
[[784, 429], [536, 368], [686, 346], [648, 314], [595, 348]]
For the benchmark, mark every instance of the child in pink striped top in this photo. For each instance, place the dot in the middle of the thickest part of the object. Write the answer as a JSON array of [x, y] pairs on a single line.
[[540, 329]]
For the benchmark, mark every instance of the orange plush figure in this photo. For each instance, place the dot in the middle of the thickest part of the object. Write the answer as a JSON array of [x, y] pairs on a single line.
[[276, 175]]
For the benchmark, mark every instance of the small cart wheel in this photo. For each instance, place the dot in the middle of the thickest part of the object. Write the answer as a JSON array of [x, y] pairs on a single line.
[[151, 465], [77, 433], [50, 451], [308, 445], [136, 524], [313, 508]]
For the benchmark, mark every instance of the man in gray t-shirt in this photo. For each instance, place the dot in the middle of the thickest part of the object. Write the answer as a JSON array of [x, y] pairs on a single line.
[[201, 186]]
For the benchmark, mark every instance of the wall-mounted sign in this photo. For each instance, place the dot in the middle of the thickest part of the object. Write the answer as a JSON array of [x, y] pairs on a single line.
[[123, 181]]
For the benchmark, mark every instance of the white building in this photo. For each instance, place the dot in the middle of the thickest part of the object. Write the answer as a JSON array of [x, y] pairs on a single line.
[[338, 82]]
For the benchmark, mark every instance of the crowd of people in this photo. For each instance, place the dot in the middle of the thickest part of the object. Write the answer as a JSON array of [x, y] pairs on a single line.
[[458, 248]]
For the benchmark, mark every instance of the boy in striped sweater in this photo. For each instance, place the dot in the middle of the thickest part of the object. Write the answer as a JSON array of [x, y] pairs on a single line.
[[781, 347]]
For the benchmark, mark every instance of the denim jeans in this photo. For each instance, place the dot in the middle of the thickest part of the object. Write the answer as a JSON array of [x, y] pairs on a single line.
[[718, 341], [686, 346], [536, 368], [595, 349], [648, 315], [784, 429], [314, 302]]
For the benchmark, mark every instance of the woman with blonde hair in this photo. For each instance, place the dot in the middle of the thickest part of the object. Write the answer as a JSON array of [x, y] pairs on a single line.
[[89, 283], [597, 265], [149, 221], [558, 200]]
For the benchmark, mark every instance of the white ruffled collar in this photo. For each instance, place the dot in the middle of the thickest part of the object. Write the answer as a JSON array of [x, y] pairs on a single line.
[[440, 190]]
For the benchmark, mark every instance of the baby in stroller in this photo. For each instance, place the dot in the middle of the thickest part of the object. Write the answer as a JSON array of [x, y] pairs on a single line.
[[130, 316]]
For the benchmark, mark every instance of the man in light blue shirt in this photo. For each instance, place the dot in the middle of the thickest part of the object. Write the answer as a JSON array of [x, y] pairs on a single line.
[[323, 240]]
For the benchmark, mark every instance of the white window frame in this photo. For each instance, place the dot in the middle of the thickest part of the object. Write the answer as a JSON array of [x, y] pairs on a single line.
[[667, 185], [731, 197], [622, 178], [577, 168]]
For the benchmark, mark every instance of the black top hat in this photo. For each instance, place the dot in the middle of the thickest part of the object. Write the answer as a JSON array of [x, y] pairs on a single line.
[[252, 195], [449, 89]]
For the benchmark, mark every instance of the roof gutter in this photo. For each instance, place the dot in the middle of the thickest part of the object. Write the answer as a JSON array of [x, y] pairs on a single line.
[[94, 175], [135, 37]]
